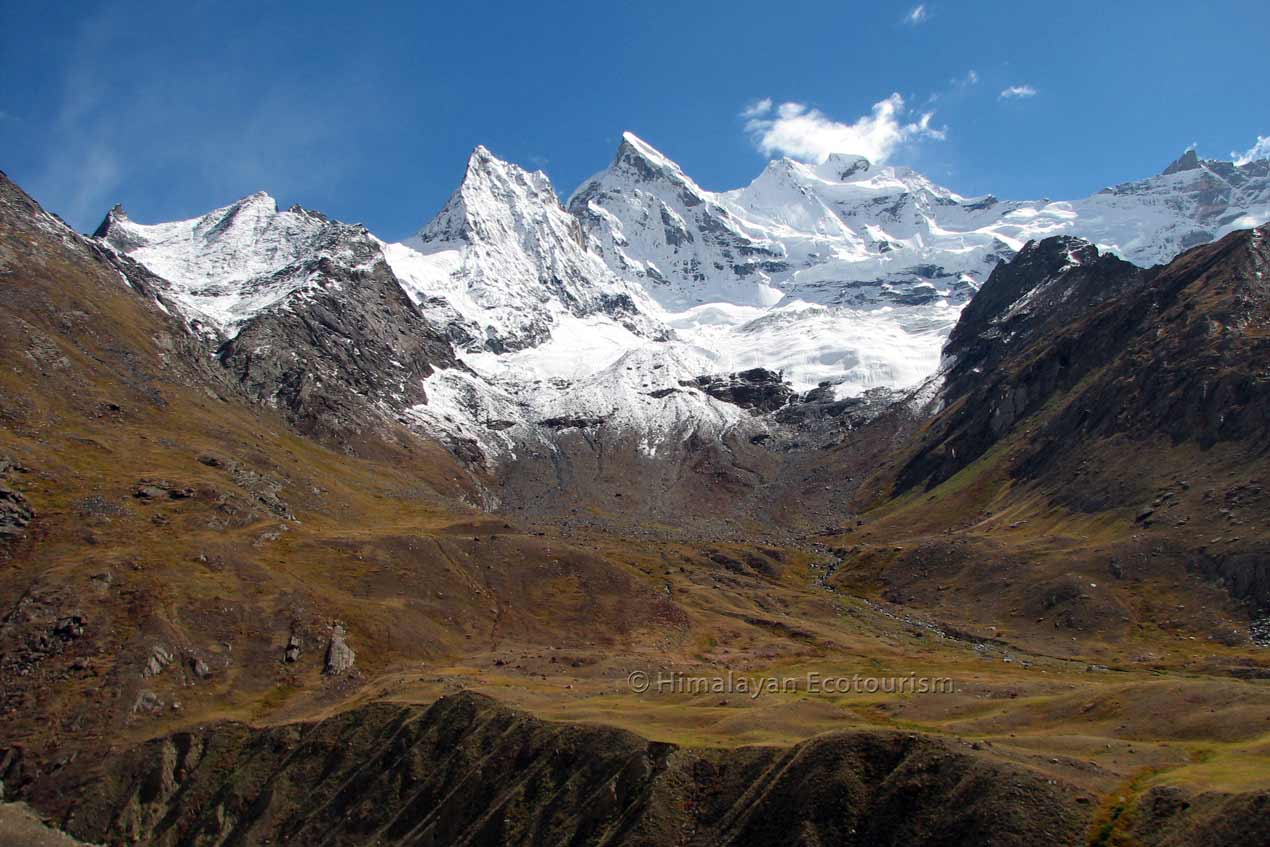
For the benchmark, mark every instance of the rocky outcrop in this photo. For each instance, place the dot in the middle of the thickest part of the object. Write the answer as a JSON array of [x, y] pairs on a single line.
[[1188, 161], [157, 661], [820, 406], [292, 652], [758, 389], [1245, 573], [339, 656], [15, 512]]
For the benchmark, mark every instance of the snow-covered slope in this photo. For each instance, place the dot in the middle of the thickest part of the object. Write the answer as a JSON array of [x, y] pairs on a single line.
[[511, 262], [592, 374], [852, 274], [1192, 202], [656, 226], [844, 232], [232, 263]]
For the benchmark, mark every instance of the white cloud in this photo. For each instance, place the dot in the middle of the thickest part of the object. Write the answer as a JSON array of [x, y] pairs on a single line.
[[917, 15], [968, 80], [802, 132], [1016, 92], [1260, 150], [757, 109], [958, 85]]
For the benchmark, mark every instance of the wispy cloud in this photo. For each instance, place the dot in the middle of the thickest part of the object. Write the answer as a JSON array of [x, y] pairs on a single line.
[[800, 131], [110, 132], [757, 109], [1260, 150], [917, 15], [1018, 92], [957, 86]]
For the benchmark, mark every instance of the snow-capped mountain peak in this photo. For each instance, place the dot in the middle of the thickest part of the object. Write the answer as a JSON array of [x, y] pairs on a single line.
[[494, 201], [842, 167], [229, 264], [643, 162], [504, 261], [659, 229]]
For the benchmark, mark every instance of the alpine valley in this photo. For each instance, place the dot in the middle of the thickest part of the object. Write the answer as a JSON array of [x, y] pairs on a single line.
[[307, 537]]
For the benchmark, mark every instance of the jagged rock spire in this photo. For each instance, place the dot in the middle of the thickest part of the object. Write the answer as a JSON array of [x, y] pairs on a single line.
[[1188, 161]]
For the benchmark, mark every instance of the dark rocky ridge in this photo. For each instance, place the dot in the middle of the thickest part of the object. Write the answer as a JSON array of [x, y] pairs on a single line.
[[818, 407], [339, 351], [468, 771], [1176, 351]]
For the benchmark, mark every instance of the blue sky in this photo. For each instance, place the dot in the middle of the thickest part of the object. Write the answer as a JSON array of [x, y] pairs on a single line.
[[367, 111]]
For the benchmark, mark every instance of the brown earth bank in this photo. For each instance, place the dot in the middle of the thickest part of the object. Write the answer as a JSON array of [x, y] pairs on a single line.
[[231, 619]]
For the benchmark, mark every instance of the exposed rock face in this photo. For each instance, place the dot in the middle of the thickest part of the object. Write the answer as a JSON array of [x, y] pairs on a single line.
[[157, 662], [1170, 351], [15, 512], [40, 625], [820, 406], [1049, 285], [339, 656], [466, 770], [1186, 352], [199, 668], [350, 343], [757, 388], [147, 703], [292, 652], [1246, 573], [1188, 161]]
